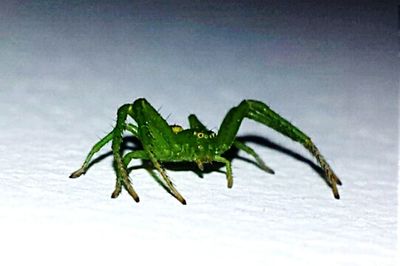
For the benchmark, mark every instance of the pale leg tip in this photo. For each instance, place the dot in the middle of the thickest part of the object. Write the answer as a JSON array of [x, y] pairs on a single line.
[[135, 197], [268, 170], [77, 173], [180, 199], [116, 193]]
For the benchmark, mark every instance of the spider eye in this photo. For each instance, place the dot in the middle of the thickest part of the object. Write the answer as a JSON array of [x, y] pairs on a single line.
[[200, 135]]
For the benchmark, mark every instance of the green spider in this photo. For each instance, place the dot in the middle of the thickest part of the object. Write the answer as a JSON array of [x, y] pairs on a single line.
[[171, 143]]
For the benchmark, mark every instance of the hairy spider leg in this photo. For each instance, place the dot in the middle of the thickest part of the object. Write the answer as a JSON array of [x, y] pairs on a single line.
[[260, 163], [141, 154], [96, 148], [92, 152], [120, 167], [156, 137], [260, 112], [195, 123], [121, 164], [137, 154], [167, 181]]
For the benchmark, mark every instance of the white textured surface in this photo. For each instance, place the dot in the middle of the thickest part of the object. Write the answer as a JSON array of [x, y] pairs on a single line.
[[62, 83]]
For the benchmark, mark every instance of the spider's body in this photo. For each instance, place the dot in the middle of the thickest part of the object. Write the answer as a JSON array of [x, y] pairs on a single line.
[[171, 143], [203, 146]]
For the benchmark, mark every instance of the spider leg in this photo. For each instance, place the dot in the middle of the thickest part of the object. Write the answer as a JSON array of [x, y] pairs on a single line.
[[120, 167], [228, 165], [93, 151], [166, 179], [195, 123], [96, 147], [140, 154], [260, 163], [122, 176], [261, 113], [119, 183], [154, 128]]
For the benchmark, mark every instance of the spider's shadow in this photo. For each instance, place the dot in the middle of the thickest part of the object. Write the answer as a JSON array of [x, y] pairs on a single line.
[[131, 143], [274, 146]]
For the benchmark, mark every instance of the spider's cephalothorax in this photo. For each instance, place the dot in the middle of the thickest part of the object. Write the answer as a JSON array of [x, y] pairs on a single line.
[[171, 143]]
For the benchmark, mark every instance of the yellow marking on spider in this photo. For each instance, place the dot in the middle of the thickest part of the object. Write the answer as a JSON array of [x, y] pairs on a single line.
[[176, 128]]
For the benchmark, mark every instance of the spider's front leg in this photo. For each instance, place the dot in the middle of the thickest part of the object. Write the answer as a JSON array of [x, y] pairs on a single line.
[[261, 113], [93, 151], [157, 139], [195, 123], [120, 167], [97, 147], [116, 137]]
